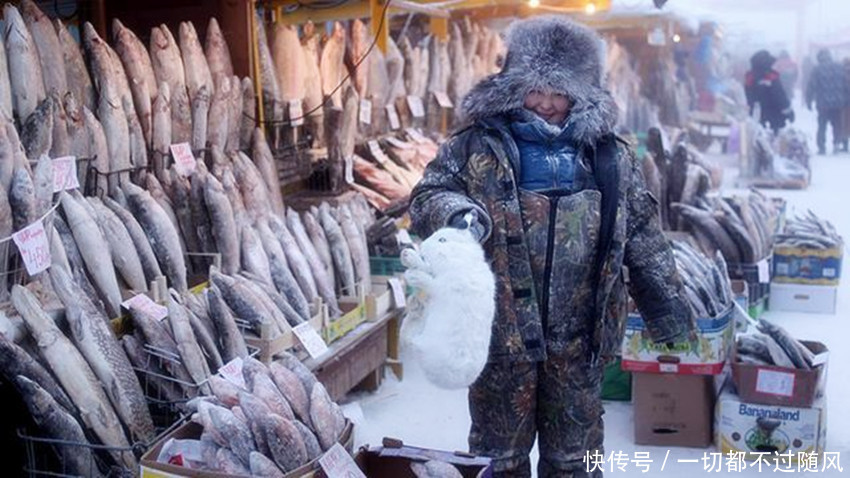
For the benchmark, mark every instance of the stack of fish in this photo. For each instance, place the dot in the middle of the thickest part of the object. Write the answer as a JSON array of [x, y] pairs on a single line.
[[392, 170], [637, 112], [350, 71], [267, 422], [766, 163], [792, 143], [706, 281], [773, 346], [684, 176], [742, 228], [809, 232]]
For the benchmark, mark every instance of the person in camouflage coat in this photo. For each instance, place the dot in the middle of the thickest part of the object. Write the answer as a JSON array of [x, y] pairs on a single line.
[[557, 252]]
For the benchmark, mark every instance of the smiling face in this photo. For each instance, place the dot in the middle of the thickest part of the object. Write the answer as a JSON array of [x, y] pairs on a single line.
[[552, 107]]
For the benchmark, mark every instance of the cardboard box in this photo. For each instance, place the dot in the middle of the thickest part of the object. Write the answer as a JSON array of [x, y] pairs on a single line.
[[150, 468], [752, 428], [819, 299], [379, 300], [705, 356], [673, 410], [799, 265], [771, 385], [394, 458]]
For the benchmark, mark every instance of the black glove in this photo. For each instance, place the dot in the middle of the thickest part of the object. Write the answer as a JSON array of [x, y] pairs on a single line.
[[468, 220]]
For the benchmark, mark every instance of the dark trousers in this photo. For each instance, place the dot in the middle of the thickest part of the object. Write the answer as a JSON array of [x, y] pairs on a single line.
[[557, 400], [833, 117]]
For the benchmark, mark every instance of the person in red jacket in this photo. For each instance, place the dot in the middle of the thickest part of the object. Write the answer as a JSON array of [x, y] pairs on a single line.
[[763, 86]]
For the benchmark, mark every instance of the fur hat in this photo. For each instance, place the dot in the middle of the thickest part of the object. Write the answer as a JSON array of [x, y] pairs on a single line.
[[549, 53]]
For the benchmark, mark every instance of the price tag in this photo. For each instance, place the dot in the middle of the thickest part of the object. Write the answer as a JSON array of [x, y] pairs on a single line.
[[775, 383], [392, 117], [144, 304], [397, 291], [337, 463], [366, 111], [417, 109], [820, 359], [397, 143], [296, 113], [443, 100], [668, 368], [403, 237], [310, 339], [376, 151], [184, 160], [34, 247], [764, 271], [349, 170], [232, 372], [415, 135], [65, 173]]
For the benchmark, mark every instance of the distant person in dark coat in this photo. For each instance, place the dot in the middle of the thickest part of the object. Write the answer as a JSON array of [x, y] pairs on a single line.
[[827, 88], [763, 86]]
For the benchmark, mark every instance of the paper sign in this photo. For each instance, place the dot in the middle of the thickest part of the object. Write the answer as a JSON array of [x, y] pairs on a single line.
[[443, 99], [820, 359], [376, 151], [337, 463], [775, 383], [349, 170], [144, 304], [392, 117], [310, 339], [184, 160], [668, 368], [764, 271], [34, 246], [296, 113], [232, 372], [397, 291], [366, 111], [65, 173], [396, 143], [415, 135], [403, 237], [417, 109]]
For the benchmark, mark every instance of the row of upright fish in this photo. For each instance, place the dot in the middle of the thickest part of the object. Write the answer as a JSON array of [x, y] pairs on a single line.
[[706, 281]]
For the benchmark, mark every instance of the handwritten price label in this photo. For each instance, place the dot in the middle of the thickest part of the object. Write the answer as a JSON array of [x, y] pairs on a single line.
[[184, 160], [415, 135], [296, 113], [349, 170], [443, 100], [147, 306], [310, 339], [417, 109], [232, 372], [397, 143], [397, 292], [337, 463], [65, 173], [376, 151], [34, 247], [392, 117], [366, 111]]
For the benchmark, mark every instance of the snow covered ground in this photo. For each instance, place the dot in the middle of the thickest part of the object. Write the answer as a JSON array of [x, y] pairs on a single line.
[[422, 415]]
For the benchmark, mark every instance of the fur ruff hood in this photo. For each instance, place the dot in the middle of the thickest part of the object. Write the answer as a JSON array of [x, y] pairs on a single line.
[[549, 53]]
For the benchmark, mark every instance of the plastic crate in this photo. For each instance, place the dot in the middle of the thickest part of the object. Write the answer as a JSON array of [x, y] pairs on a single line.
[[385, 265]]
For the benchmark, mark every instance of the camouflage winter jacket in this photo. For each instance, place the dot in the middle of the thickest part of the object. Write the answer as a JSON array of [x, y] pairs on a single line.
[[476, 169]]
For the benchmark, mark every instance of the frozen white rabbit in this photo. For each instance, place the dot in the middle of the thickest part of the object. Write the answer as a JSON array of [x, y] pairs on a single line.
[[450, 336]]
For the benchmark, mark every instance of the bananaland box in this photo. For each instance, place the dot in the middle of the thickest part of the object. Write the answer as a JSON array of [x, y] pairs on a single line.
[[753, 428]]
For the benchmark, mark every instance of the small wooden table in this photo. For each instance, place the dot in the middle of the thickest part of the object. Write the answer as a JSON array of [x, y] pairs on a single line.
[[358, 359]]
